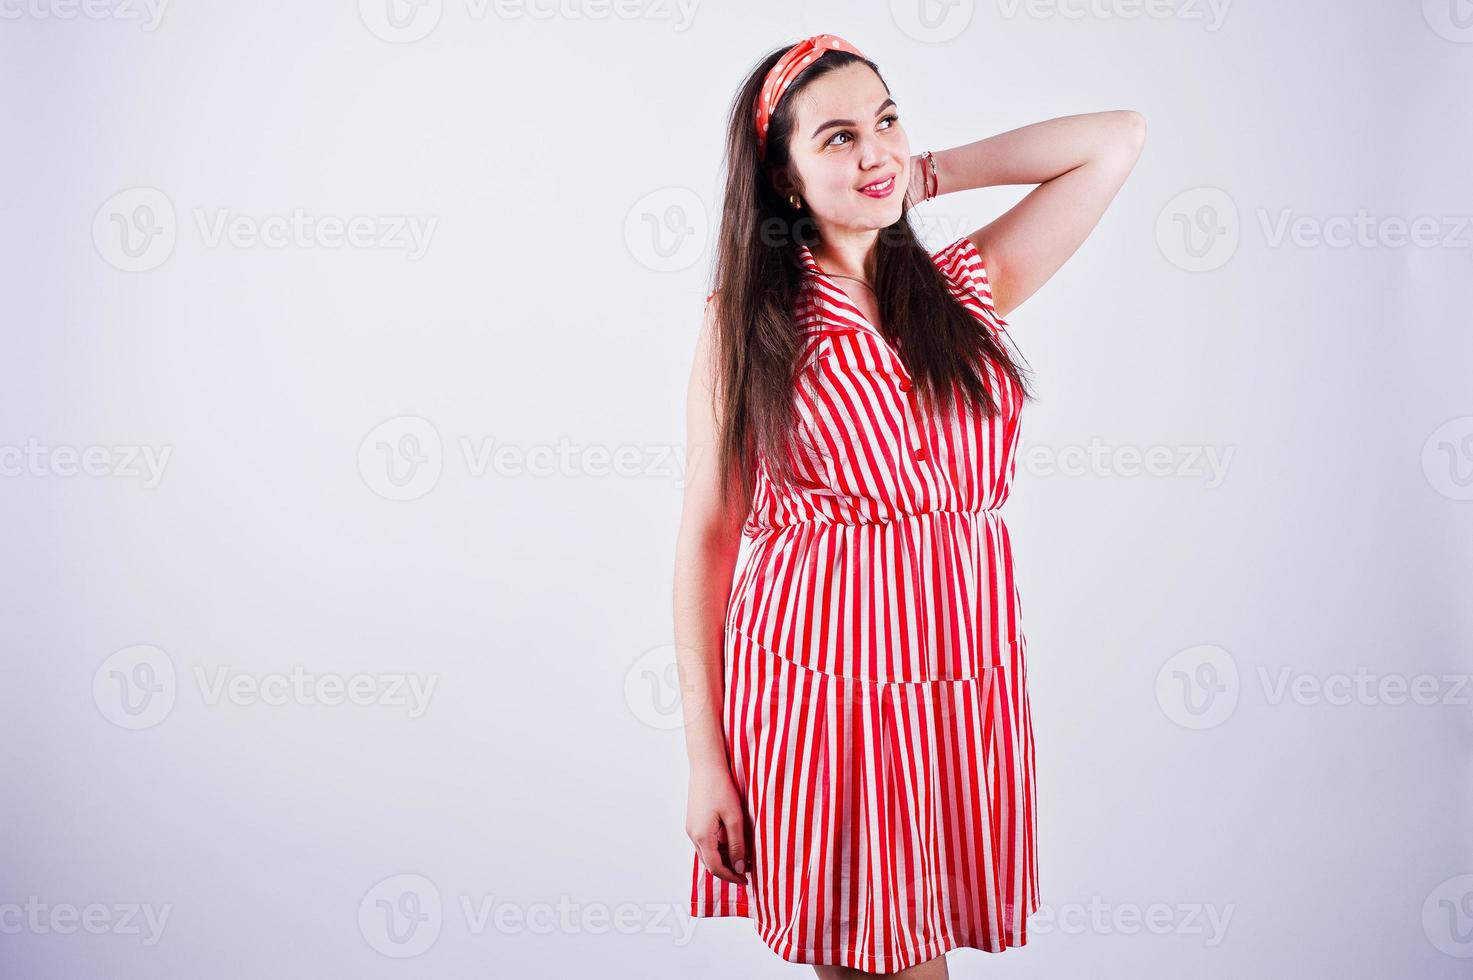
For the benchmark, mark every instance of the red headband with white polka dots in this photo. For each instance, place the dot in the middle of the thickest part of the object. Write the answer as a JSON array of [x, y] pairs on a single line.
[[788, 67]]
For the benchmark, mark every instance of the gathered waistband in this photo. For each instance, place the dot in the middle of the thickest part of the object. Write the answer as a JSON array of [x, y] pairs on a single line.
[[926, 595], [993, 513]]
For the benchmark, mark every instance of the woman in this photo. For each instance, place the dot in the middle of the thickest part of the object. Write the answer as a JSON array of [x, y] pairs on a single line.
[[855, 695]]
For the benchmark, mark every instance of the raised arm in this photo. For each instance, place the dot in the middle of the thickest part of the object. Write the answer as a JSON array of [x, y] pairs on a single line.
[[1079, 163]]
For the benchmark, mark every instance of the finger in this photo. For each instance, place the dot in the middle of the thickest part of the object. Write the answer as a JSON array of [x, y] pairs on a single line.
[[711, 858], [736, 843]]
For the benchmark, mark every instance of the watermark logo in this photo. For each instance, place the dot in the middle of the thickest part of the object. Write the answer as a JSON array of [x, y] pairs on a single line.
[[135, 229], [401, 916], [1447, 458], [652, 688], [1198, 687], [932, 21], [1451, 20], [401, 458], [666, 229], [400, 21], [1447, 916], [135, 687], [1198, 229]]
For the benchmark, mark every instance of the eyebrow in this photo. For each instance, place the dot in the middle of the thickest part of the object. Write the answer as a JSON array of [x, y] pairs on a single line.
[[850, 122]]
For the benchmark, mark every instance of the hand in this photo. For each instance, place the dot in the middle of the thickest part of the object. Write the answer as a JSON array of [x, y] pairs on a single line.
[[714, 823]]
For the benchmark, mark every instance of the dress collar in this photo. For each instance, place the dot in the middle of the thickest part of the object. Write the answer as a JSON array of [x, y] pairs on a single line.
[[829, 307], [810, 264]]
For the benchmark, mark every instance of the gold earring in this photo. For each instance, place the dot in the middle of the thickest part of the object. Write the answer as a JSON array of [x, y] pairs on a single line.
[[793, 200]]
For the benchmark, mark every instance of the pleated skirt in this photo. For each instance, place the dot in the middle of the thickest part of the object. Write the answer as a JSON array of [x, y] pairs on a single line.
[[886, 822]]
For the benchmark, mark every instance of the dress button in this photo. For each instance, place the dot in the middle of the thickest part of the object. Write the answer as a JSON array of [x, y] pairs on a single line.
[[919, 452], [905, 384]]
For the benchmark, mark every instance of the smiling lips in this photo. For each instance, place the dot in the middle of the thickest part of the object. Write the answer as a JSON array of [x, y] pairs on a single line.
[[880, 188]]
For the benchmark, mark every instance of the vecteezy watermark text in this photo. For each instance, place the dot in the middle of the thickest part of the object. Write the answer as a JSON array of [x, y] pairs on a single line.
[[136, 688], [296, 686], [137, 229], [1101, 918], [1200, 687], [1212, 13], [402, 916], [35, 458], [1189, 461], [147, 13], [1200, 229], [1364, 230], [41, 918], [407, 21], [402, 459], [409, 233]]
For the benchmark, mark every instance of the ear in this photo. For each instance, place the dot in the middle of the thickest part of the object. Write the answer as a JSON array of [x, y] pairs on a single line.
[[783, 183]]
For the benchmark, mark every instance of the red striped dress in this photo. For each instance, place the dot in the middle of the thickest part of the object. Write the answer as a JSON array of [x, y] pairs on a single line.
[[875, 707]]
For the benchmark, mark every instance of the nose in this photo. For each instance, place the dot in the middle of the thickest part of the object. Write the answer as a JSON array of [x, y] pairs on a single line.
[[871, 153]]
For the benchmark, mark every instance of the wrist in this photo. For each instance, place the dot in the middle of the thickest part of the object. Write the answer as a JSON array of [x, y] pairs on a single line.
[[708, 763], [917, 185]]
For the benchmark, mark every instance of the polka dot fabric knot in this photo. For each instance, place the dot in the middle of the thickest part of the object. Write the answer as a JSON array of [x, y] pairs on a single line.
[[788, 67]]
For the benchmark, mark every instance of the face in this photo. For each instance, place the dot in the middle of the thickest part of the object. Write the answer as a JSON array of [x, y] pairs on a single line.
[[848, 136]]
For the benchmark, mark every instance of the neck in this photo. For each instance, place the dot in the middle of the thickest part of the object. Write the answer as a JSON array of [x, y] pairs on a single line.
[[847, 253]]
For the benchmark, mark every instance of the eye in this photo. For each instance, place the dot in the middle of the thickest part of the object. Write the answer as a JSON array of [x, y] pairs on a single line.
[[890, 118]]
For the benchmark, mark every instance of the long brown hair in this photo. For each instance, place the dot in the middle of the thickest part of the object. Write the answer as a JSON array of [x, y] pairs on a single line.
[[757, 277]]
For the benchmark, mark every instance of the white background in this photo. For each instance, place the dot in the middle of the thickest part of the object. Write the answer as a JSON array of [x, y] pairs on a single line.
[[566, 161]]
